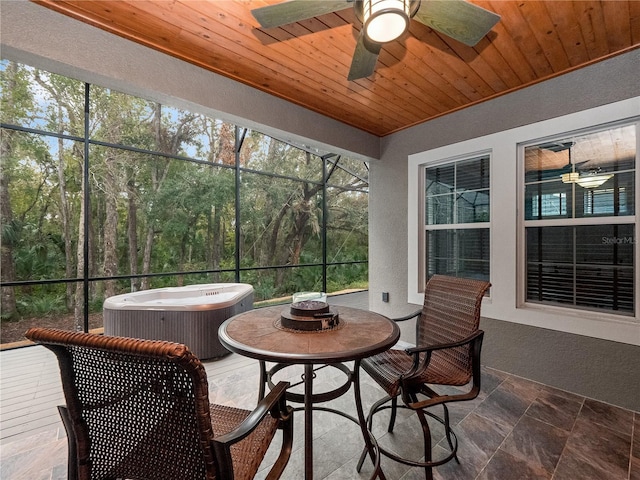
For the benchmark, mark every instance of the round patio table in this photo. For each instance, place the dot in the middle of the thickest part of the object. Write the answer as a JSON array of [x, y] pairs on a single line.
[[258, 334]]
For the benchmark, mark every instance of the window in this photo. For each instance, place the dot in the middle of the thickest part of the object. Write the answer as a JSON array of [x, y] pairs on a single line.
[[562, 255], [457, 206], [579, 220]]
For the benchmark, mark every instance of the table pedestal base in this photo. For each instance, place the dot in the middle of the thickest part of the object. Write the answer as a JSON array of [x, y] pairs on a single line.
[[308, 399]]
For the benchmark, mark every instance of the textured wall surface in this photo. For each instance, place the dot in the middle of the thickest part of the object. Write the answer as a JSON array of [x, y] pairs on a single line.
[[600, 369]]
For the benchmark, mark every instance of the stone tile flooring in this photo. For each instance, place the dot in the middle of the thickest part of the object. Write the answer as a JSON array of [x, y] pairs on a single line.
[[515, 429]]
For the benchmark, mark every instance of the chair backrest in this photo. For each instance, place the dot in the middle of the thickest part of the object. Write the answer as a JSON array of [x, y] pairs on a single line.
[[451, 312], [139, 409]]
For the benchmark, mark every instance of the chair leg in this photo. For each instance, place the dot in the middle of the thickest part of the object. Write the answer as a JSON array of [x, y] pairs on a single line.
[[72, 457], [447, 429], [363, 455], [426, 433], [374, 408], [285, 450], [394, 410], [422, 415], [263, 380]]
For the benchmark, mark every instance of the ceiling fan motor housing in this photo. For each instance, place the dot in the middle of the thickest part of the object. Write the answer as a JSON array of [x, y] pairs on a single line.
[[385, 20]]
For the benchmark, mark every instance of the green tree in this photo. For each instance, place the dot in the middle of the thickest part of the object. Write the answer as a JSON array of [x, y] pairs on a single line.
[[65, 114], [17, 107]]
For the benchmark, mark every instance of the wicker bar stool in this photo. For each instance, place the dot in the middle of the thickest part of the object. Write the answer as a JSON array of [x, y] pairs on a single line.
[[139, 409], [447, 352]]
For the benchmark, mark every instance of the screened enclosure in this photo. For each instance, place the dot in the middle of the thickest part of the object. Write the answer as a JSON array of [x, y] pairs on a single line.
[[105, 193]]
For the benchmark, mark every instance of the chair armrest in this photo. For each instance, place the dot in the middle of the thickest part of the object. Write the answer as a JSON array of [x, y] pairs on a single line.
[[408, 317], [443, 346], [274, 402], [421, 362], [434, 398]]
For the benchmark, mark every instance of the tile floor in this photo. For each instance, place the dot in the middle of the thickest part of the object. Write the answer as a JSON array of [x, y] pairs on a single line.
[[516, 429]]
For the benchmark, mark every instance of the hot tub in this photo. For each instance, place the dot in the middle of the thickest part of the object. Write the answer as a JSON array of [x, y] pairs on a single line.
[[189, 315]]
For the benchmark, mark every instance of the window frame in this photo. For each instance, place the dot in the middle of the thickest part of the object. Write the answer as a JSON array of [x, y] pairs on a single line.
[[595, 220], [427, 227], [505, 303], [420, 271]]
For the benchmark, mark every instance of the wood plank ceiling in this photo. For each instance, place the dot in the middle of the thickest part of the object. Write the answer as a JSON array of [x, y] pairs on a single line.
[[418, 77]]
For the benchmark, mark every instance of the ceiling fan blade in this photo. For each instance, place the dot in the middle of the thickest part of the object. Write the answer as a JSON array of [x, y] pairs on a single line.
[[364, 58], [458, 19], [295, 10]]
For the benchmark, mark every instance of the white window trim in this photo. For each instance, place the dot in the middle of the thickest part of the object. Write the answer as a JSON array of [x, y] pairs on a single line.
[[578, 221], [507, 276]]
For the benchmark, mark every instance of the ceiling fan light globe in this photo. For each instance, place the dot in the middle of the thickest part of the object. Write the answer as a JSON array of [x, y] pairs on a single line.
[[593, 181], [385, 20], [570, 177]]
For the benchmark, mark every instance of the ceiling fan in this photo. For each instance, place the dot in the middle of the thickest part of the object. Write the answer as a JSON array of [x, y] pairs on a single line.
[[386, 20]]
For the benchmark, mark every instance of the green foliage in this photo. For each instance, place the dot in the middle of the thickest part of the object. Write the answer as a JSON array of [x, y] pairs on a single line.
[[41, 305], [346, 277], [182, 213], [16, 98], [10, 232], [264, 289], [95, 304], [38, 260]]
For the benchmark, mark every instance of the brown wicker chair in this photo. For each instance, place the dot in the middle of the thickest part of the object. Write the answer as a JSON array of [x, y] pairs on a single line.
[[139, 409], [447, 352]]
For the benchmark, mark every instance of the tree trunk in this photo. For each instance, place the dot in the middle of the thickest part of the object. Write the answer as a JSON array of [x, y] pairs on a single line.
[[110, 226], [7, 272], [272, 247], [295, 240], [156, 182], [293, 243], [218, 241], [64, 213], [96, 289], [132, 227], [79, 296], [225, 153], [169, 145], [146, 257]]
